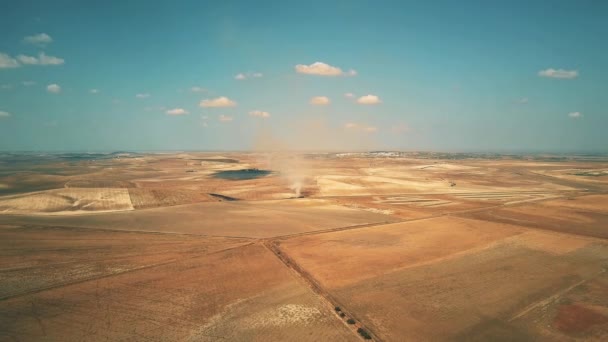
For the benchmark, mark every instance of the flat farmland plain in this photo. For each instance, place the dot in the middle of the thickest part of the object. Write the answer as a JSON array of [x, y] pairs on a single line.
[[385, 246], [248, 219]]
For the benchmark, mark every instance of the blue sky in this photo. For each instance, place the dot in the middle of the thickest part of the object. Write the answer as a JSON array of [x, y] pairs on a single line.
[[438, 75]]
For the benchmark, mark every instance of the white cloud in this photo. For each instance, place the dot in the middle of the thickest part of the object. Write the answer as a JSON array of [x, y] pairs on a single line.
[[322, 69], [42, 59], [244, 76], [558, 73], [198, 90], [575, 115], [142, 96], [360, 127], [221, 101], [319, 100], [38, 39], [27, 59], [4, 114], [259, 113], [7, 62], [225, 118], [53, 88], [94, 91], [369, 100], [349, 95], [177, 111], [28, 83]]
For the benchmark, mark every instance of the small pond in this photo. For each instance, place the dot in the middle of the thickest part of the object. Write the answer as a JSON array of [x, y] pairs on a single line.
[[242, 174]]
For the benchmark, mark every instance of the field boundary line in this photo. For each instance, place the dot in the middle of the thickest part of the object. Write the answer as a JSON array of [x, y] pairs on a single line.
[[554, 297], [314, 285], [145, 267]]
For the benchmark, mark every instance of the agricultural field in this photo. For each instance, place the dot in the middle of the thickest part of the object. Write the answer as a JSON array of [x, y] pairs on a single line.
[[444, 278], [385, 246], [68, 200], [161, 288]]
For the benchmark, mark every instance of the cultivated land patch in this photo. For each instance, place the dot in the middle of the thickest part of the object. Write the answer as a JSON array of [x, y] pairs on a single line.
[[449, 278], [584, 215], [247, 219], [340, 258], [237, 294], [150, 197], [66, 201], [36, 258]]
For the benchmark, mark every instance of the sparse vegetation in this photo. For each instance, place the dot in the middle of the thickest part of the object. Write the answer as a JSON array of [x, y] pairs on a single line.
[[364, 333]]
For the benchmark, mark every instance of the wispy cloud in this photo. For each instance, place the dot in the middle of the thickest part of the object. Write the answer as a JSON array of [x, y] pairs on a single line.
[[142, 96], [8, 62], [558, 73], [42, 59], [28, 83], [94, 91], [349, 95], [247, 75], [204, 121], [53, 88], [221, 101], [39, 39], [4, 114], [225, 118], [319, 101], [352, 126], [177, 111], [322, 69], [523, 100], [259, 114], [369, 100], [575, 115], [6, 86], [198, 90]]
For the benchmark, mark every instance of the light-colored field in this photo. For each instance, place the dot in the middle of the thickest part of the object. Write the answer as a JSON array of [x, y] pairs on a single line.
[[162, 197], [585, 215], [67, 201], [249, 219]]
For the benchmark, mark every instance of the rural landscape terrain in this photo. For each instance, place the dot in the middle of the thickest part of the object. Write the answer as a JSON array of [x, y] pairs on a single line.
[[383, 246]]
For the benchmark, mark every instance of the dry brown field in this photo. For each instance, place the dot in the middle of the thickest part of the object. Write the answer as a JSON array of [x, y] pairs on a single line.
[[209, 246], [448, 277]]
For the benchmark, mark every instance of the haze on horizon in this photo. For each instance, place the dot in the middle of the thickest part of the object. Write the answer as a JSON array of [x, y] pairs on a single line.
[[351, 75]]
